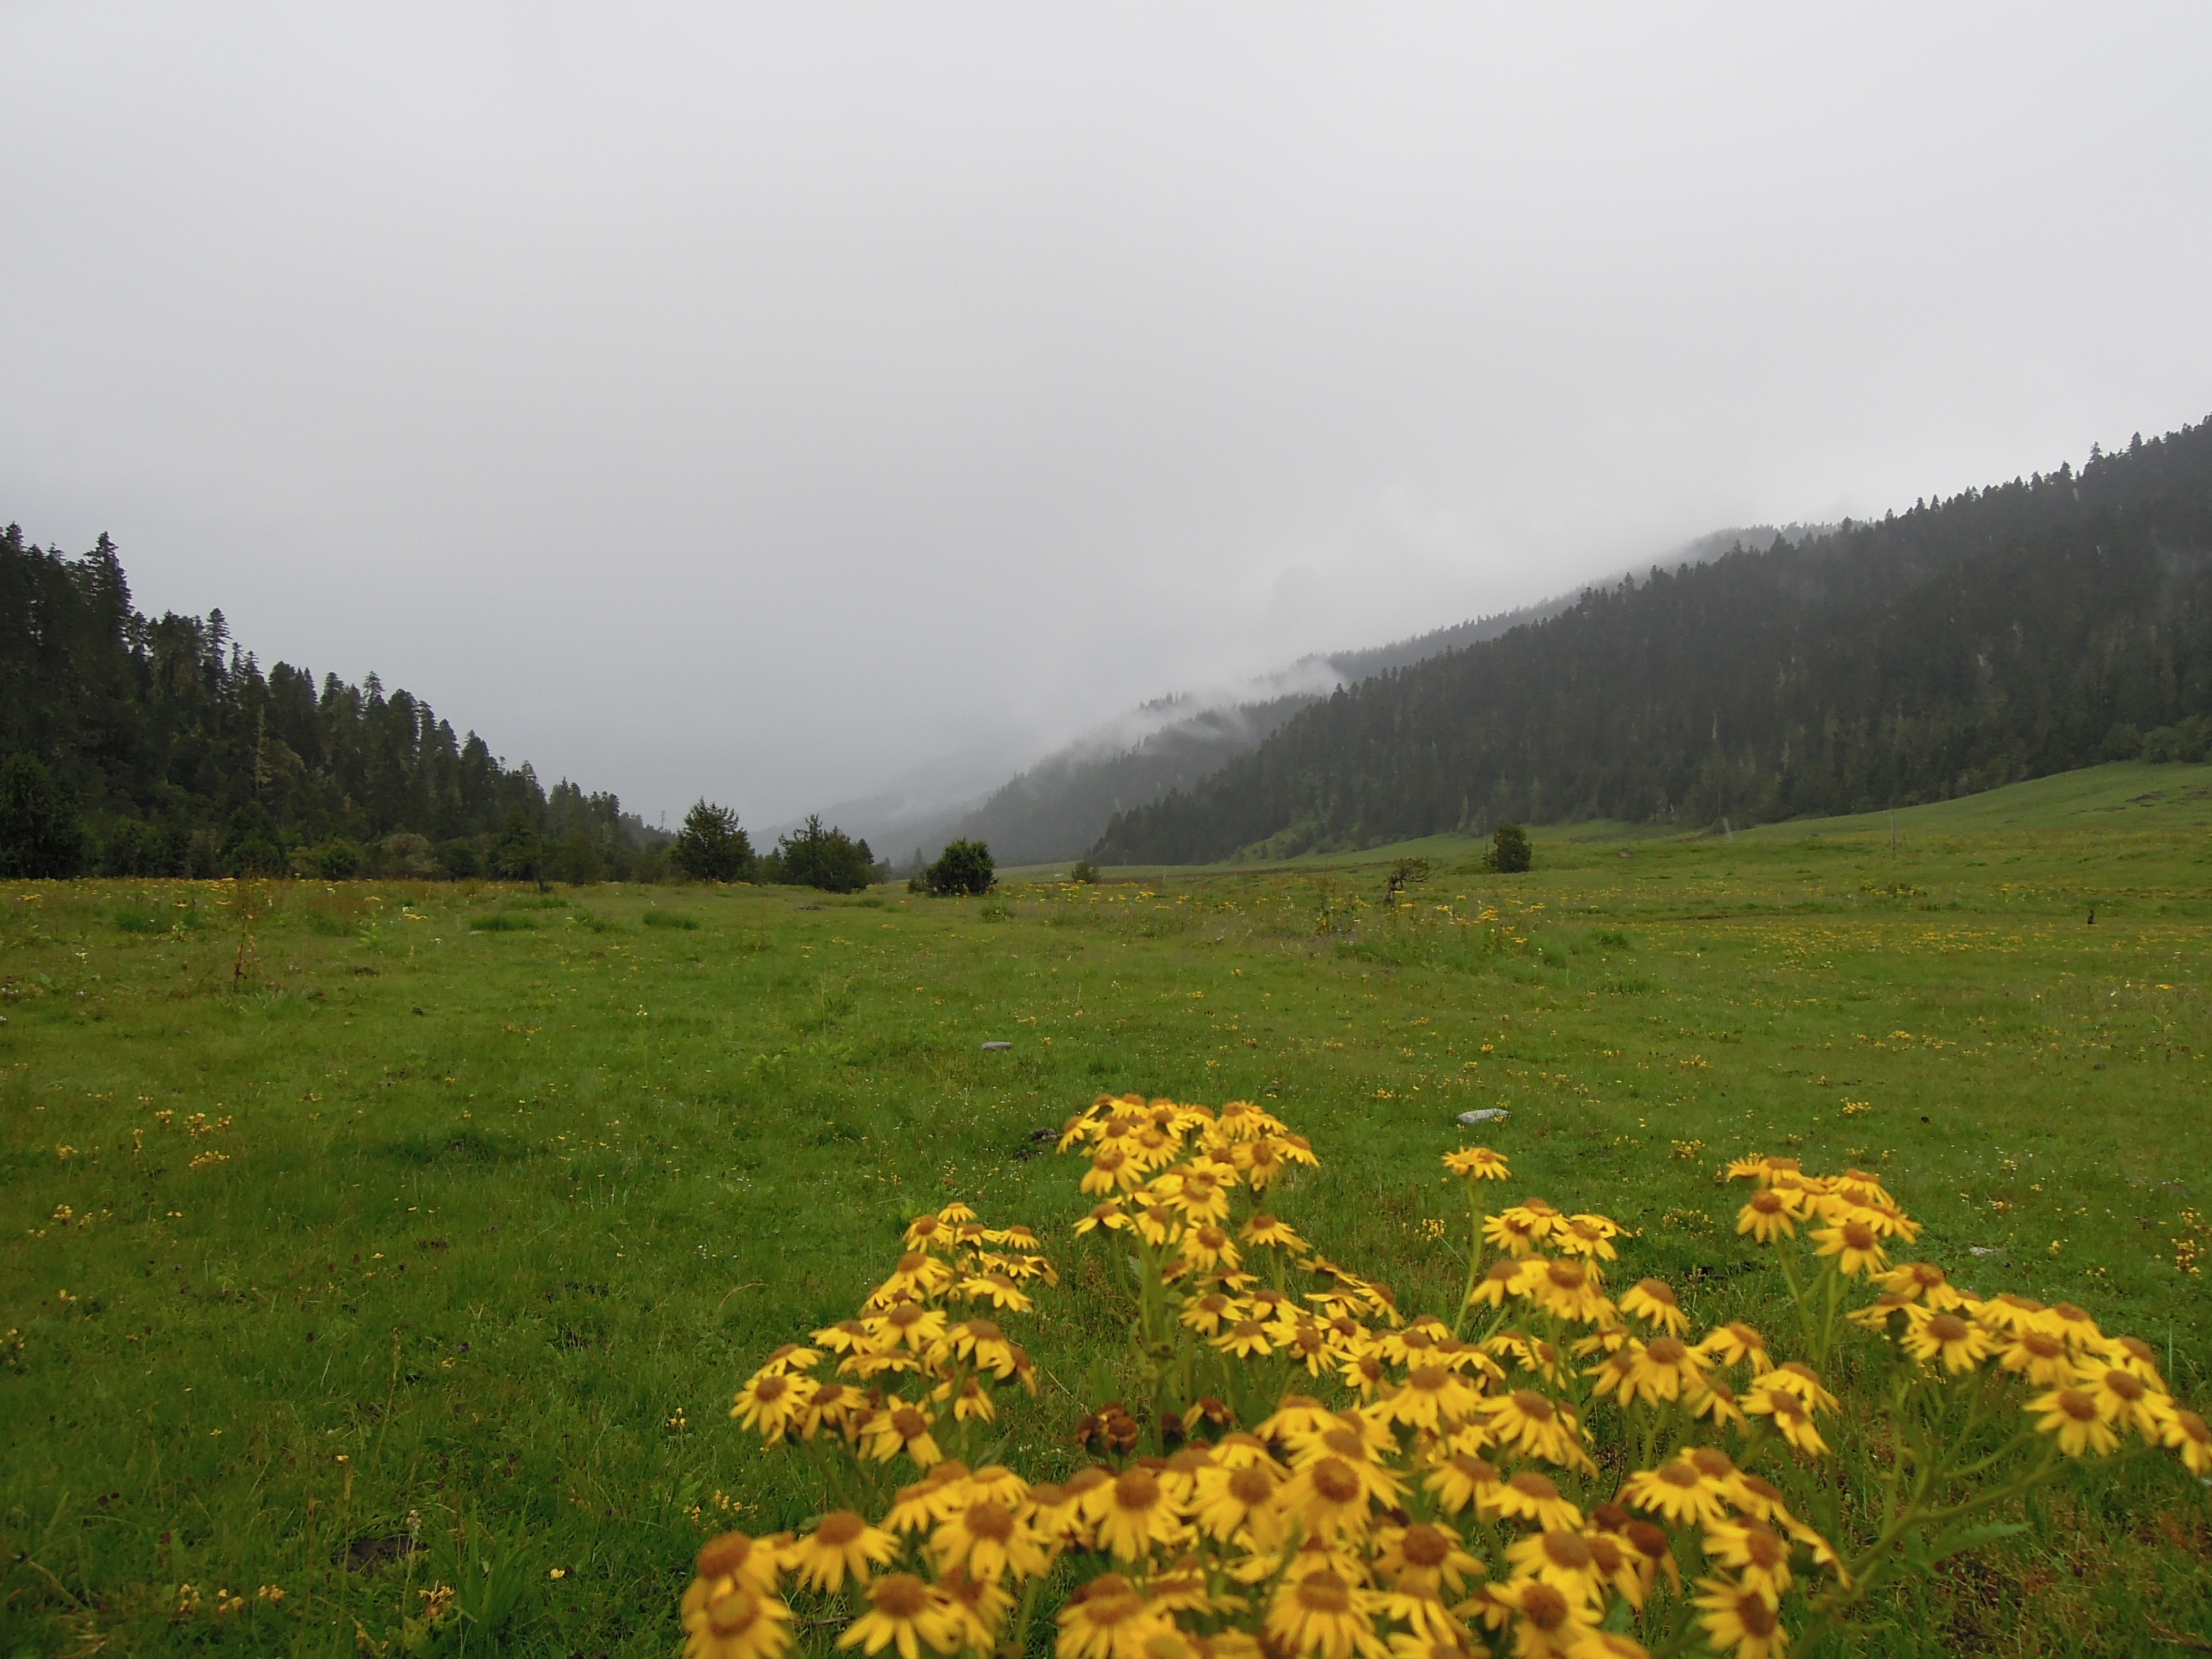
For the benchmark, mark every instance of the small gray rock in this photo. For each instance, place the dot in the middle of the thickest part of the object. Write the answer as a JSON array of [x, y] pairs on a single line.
[[993, 1048], [1487, 1115]]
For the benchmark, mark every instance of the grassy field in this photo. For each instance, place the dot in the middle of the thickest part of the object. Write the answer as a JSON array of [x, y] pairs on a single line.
[[341, 1214]]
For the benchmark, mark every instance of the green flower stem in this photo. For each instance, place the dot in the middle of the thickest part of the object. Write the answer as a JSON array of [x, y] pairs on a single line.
[[1475, 1218]]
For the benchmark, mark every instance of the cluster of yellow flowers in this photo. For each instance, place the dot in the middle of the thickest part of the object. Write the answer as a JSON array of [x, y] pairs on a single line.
[[2095, 1390], [1298, 1468]]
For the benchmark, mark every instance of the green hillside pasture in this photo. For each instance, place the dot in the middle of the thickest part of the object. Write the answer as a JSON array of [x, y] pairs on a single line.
[[338, 1218]]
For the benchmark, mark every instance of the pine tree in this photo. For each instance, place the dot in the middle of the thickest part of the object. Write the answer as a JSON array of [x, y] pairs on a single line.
[[711, 846]]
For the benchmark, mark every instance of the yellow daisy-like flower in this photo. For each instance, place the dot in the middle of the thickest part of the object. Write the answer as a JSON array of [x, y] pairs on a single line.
[[1477, 1164], [997, 1289], [1958, 1343], [845, 1336], [1680, 1491], [1462, 1479], [1569, 1290], [1529, 1496], [1563, 1559], [791, 1357], [1739, 1618], [1665, 1370], [900, 1429], [1113, 1169], [1241, 1500], [2186, 1433], [1758, 1555], [1855, 1244], [2125, 1401], [2073, 1324], [1424, 1558], [2137, 1356], [844, 1544], [726, 1618], [1108, 1215], [1107, 1619], [755, 1561], [1132, 1513], [1434, 1396], [1922, 1281], [1804, 1381], [2043, 1359], [1653, 1301], [1614, 1376], [1715, 1402], [1207, 1314], [2010, 1314], [1206, 1247], [918, 1275], [2074, 1417], [988, 1539], [905, 1613], [1425, 1643], [1245, 1339], [1878, 1314], [1501, 1279], [1583, 1237], [770, 1404], [928, 1233], [1265, 1229], [1548, 1623], [1331, 1496], [1515, 1232], [1788, 1413], [1769, 1216], [978, 1605], [1737, 1344], [907, 1325], [1321, 1615], [1538, 1425]]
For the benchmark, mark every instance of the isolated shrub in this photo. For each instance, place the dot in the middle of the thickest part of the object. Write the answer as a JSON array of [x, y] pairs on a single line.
[[2186, 741], [250, 844], [338, 861], [1083, 872], [710, 846], [459, 861], [963, 867], [825, 857], [1510, 853], [131, 846], [519, 852], [577, 859]]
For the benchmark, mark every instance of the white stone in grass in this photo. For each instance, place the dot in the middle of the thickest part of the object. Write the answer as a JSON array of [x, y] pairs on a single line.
[[993, 1048], [1486, 1115]]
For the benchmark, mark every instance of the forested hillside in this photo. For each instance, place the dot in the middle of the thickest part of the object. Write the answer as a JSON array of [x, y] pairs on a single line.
[[162, 748], [2001, 633]]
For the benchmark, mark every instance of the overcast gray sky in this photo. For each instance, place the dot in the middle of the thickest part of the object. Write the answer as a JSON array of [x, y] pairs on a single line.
[[757, 401]]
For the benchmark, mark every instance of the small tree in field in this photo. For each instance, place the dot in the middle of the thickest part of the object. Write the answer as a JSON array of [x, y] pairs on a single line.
[[825, 857], [1508, 850], [964, 866], [711, 846]]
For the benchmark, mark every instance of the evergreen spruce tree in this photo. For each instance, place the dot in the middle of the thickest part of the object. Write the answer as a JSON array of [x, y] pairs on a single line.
[[711, 846]]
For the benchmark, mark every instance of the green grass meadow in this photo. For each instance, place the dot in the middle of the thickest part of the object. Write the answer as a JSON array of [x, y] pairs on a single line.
[[340, 1217]]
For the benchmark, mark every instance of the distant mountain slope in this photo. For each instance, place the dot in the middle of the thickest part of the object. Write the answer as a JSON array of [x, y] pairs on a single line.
[[1058, 806], [2002, 634]]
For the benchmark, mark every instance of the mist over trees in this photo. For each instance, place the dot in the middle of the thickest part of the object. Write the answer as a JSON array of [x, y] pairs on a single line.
[[2002, 634]]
